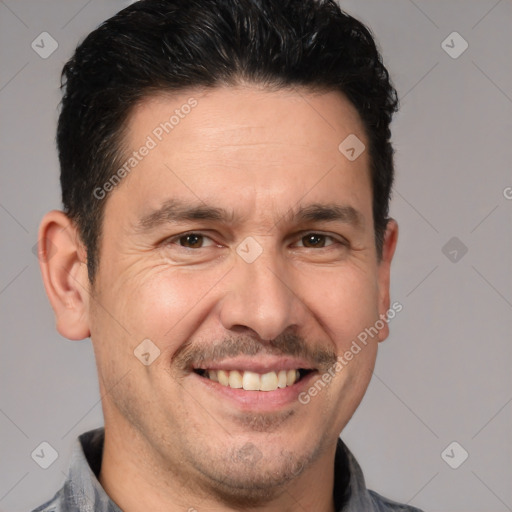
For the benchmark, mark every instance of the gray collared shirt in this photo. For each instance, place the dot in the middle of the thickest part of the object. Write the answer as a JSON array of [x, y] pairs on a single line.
[[82, 491]]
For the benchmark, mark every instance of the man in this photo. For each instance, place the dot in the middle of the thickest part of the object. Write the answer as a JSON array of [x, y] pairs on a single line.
[[226, 169]]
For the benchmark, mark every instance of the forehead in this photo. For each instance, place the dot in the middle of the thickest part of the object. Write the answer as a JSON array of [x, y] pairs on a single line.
[[247, 144], [230, 116]]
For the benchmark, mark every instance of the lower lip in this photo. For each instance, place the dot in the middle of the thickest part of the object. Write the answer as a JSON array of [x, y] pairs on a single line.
[[259, 401]]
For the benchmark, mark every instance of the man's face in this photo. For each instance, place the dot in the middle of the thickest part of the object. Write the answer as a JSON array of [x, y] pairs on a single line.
[[255, 288]]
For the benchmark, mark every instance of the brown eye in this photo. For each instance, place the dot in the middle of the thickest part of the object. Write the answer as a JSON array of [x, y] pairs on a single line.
[[191, 240], [314, 240]]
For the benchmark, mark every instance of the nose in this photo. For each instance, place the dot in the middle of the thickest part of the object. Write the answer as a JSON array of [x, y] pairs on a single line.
[[260, 297]]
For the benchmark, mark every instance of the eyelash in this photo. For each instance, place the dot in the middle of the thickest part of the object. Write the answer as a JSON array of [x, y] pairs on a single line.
[[174, 239]]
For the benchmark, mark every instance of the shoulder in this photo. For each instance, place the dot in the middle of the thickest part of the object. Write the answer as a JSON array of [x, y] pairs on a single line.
[[383, 504], [359, 496]]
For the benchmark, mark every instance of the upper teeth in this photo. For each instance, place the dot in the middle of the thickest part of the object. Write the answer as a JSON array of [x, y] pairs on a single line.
[[252, 381]]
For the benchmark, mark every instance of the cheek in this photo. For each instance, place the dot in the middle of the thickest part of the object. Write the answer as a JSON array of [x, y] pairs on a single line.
[[344, 300], [162, 303]]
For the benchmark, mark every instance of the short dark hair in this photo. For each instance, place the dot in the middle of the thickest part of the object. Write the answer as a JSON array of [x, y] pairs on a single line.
[[172, 45]]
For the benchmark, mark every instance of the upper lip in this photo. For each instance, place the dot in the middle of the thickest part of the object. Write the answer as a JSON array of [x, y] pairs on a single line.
[[257, 364]]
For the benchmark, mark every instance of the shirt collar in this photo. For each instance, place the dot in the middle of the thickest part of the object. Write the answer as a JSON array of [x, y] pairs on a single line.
[[358, 496], [82, 490]]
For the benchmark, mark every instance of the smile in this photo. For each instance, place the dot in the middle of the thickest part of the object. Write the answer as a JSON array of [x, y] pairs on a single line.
[[253, 381]]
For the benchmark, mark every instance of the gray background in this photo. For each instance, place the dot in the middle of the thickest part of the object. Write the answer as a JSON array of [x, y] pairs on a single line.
[[444, 375]]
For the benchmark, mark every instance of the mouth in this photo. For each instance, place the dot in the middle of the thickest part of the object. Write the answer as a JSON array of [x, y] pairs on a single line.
[[254, 381], [247, 384]]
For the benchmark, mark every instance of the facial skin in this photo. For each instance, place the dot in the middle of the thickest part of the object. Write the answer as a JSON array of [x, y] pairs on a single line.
[[175, 439]]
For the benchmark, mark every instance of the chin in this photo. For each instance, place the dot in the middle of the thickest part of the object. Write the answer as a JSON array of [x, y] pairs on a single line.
[[247, 477]]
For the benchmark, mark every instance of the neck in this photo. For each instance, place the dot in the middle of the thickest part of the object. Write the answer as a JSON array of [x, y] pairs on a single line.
[[135, 479]]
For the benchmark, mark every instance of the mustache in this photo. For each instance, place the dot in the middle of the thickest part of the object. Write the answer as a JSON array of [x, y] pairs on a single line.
[[194, 355]]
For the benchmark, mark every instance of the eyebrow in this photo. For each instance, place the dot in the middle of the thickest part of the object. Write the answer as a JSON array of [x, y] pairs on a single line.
[[175, 211]]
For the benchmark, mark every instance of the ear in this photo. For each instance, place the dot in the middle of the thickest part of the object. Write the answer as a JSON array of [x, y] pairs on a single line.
[[384, 273], [62, 259]]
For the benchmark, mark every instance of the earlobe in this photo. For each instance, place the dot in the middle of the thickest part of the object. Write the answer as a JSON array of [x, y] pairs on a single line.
[[62, 260], [384, 273]]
